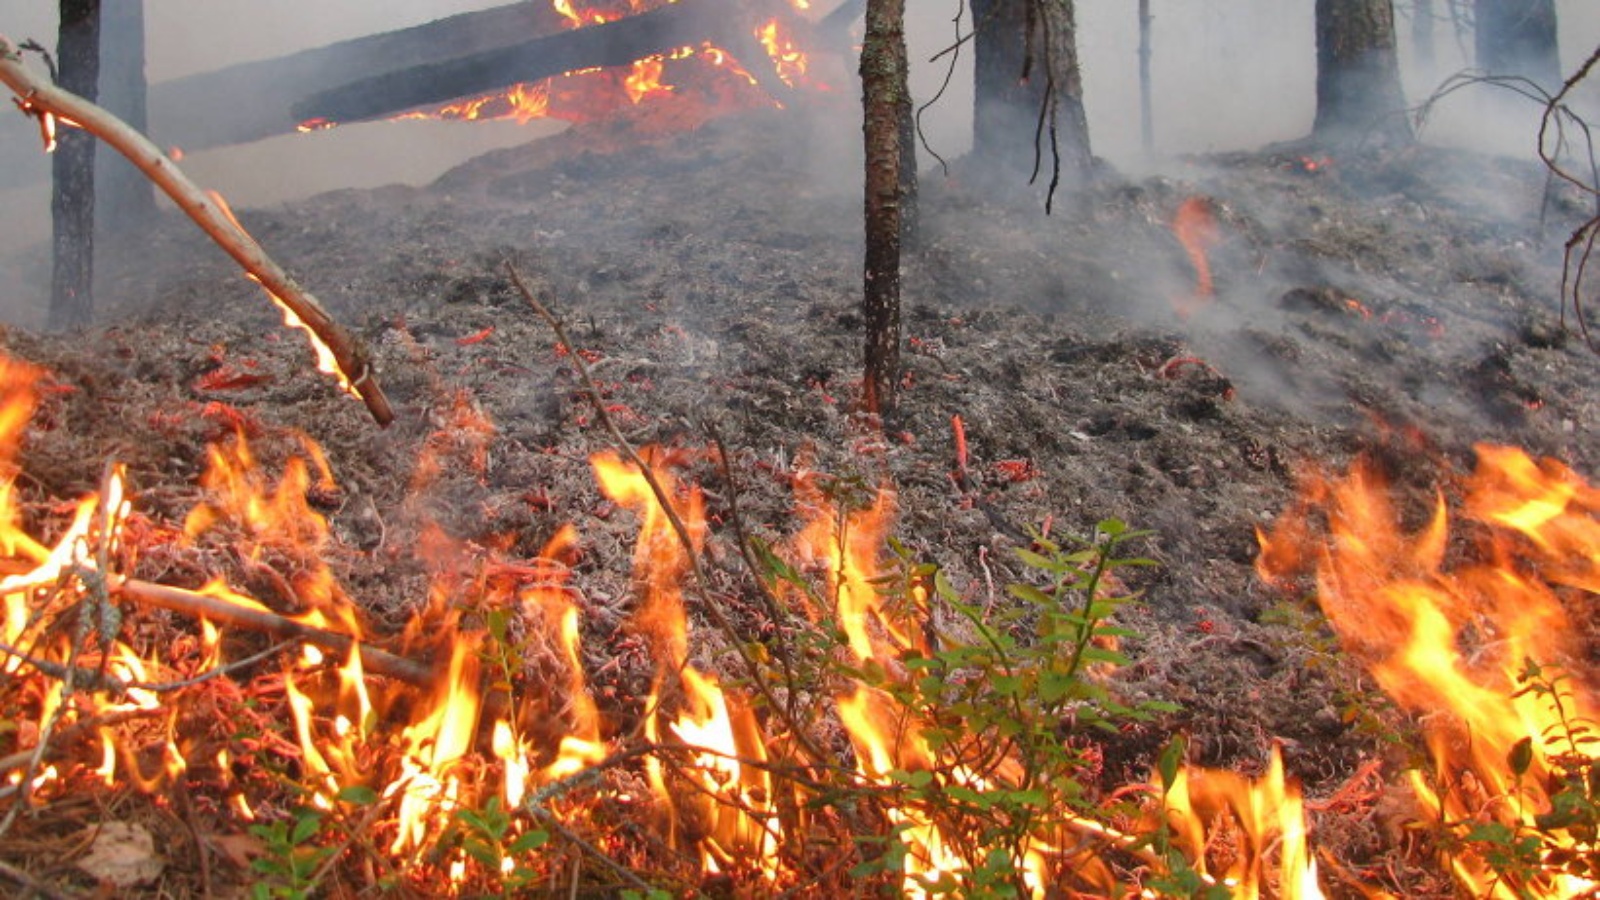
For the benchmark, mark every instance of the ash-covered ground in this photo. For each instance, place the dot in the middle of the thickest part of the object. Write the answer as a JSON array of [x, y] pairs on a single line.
[[1404, 303]]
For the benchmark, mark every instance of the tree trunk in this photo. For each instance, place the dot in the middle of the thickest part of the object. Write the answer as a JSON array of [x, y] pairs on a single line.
[[886, 104], [72, 198], [1359, 97], [1518, 37], [1422, 16], [1028, 115], [125, 199], [1147, 131]]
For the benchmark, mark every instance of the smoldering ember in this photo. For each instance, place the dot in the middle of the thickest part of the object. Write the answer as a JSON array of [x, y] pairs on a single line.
[[1229, 531]]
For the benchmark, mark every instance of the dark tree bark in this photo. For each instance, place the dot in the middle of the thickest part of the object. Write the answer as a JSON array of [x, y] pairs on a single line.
[[72, 197], [1359, 97], [1028, 115], [886, 107], [124, 198], [1518, 37]]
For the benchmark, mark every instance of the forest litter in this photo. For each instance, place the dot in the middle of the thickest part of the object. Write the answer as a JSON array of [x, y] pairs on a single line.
[[1401, 305]]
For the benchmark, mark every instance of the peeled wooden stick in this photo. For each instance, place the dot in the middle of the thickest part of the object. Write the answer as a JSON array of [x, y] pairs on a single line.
[[221, 612], [338, 352]]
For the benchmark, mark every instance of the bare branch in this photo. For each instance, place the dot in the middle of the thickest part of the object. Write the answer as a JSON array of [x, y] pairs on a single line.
[[349, 358]]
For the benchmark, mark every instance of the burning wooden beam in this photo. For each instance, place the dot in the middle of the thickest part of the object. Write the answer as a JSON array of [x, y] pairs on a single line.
[[251, 101], [728, 24]]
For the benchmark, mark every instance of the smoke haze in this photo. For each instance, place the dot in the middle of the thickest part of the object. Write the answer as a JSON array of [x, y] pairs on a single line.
[[1227, 74]]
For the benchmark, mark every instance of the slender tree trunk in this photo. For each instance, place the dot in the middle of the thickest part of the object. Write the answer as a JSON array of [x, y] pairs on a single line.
[[1359, 97], [124, 198], [1422, 16], [886, 105], [72, 198], [1028, 114], [1147, 131], [1518, 37]]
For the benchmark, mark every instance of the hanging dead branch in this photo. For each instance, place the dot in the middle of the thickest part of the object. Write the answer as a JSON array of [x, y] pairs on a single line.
[[1579, 248], [1563, 137], [338, 352]]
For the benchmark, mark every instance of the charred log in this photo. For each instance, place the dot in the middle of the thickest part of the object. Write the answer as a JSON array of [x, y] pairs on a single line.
[[729, 24], [210, 109]]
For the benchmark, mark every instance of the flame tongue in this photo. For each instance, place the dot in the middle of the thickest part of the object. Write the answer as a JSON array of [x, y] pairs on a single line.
[[1452, 640]]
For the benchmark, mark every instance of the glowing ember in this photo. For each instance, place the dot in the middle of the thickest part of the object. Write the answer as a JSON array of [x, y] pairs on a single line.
[[1453, 641]]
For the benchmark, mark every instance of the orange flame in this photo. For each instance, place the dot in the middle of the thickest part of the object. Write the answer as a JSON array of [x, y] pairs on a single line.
[[1196, 229], [1452, 640], [1265, 819], [734, 804]]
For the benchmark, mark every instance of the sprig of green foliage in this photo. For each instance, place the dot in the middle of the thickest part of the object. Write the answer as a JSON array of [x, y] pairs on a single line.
[[1003, 705]]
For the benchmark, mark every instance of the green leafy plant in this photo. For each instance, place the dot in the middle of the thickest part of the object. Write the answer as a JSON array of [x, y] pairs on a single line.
[[1563, 840], [1005, 701], [490, 838], [292, 856]]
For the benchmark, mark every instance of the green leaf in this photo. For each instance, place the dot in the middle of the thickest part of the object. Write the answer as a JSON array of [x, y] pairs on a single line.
[[358, 795], [1171, 757], [485, 853], [527, 843], [1520, 758], [305, 827], [918, 779], [1030, 594]]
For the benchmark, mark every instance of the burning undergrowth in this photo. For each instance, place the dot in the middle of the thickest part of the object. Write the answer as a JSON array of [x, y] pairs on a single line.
[[563, 685]]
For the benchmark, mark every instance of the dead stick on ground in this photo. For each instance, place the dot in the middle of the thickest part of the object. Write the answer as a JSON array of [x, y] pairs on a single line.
[[222, 612], [350, 361]]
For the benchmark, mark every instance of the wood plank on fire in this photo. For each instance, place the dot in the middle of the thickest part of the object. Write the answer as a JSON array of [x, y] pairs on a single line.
[[254, 100], [727, 24]]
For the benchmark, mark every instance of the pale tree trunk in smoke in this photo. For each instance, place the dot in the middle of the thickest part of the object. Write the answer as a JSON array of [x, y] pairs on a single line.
[[1359, 97], [1028, 123], [1422, 35], [1147, 129], [1518, 37], [72, 197], [125, 198], [889, 194]]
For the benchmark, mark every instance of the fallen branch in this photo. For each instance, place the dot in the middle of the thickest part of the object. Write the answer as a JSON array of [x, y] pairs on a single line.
[[222, 612], [338, 353]]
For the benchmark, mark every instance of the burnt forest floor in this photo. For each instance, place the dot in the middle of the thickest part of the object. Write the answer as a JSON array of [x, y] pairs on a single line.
[[1401, 303]]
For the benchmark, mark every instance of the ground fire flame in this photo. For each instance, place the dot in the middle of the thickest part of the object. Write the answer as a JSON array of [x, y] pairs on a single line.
[[466, 774], [1480, 643]]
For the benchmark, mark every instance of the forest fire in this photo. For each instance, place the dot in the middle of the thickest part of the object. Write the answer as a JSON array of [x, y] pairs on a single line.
[[466, 771], [1483, 644]]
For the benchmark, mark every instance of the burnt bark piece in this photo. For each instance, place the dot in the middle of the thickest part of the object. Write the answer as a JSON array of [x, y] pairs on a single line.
[[729, 24], [253, 100]]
